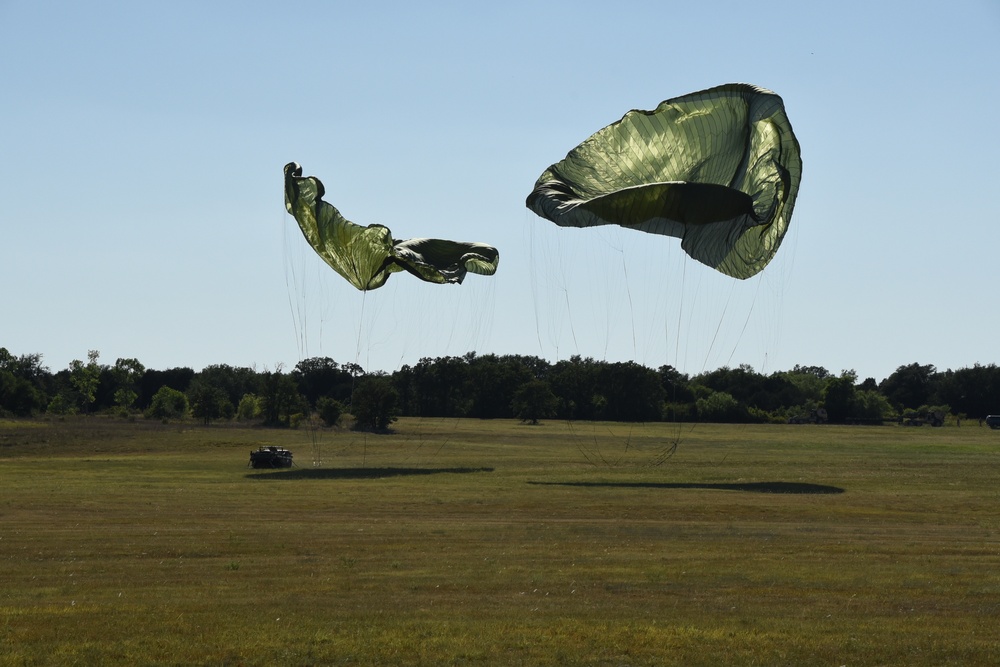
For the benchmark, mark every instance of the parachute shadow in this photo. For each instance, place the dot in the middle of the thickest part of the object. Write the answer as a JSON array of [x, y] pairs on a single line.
[[746, 487], [358, 473]]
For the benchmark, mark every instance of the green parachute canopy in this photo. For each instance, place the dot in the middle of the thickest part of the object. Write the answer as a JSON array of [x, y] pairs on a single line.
[[718, 169], [365, 256]]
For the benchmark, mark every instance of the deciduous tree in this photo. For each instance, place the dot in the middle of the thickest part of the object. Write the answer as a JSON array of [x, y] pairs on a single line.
[[84, 378], [533, 401], [373, 403]]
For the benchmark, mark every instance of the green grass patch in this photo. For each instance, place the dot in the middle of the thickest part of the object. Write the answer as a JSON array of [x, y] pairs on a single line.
[[488, 542]]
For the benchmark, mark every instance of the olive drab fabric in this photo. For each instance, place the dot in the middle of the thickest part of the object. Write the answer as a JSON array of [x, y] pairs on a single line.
[[366, 256], [718, 169]]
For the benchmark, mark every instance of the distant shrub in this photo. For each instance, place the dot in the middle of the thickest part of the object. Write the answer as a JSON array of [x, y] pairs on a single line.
[[249, 408], [678, 412], [168, 404], [329, 410], [720, 407], [208, 402], [61, 405]]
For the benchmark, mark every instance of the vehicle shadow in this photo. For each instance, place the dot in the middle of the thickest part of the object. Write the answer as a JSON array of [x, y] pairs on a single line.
[[746, 487], [355, 473]]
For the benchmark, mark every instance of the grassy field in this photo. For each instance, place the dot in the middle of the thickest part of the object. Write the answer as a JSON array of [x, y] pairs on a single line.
[[488, 542]]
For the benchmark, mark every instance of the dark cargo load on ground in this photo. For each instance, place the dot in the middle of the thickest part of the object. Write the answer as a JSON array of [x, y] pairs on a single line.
[[271, 457]]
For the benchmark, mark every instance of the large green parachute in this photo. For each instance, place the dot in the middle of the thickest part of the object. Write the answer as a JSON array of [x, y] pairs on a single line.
[[365, 256], [718, 169]]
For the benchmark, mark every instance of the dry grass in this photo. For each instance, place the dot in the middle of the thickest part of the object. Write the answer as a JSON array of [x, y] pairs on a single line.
[[472, 542]]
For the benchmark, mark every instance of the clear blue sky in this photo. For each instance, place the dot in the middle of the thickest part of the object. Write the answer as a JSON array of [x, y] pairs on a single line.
[[142, 146]]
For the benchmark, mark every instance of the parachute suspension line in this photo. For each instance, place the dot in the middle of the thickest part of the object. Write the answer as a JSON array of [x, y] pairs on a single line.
[[361, 320], [569, 312], [291, 286], [550, 292], [718, 327], [563, 285], [628, 442], [538, 259], [631, 309], [670, 450], [594, 455], [533, 279], [580, 447], [295, 291], [680, 316], [746, 322], [357, 359], [635, 349]]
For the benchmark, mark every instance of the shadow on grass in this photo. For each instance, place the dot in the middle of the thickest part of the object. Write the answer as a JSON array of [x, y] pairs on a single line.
[[356, 473], [747, 487]]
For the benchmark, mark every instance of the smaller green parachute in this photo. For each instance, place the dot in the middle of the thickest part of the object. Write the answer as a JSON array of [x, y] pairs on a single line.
[[365, 256], [718, 169]]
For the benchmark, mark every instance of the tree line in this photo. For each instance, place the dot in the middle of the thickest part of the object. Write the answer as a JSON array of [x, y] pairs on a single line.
[[490, 387]]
